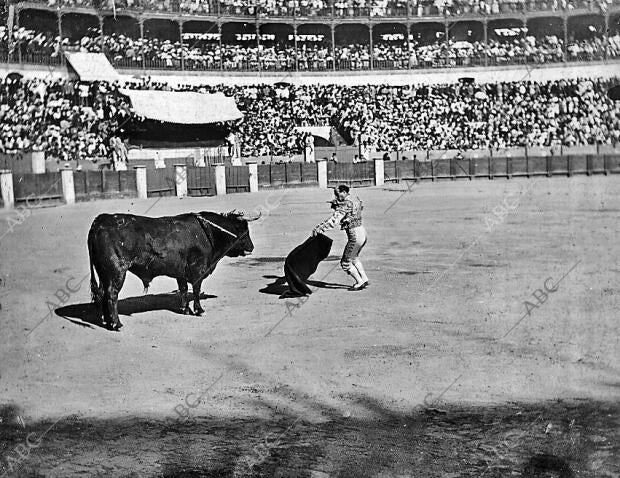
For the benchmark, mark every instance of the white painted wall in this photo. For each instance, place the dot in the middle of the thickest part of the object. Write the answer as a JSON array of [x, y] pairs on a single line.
[[448, 75]]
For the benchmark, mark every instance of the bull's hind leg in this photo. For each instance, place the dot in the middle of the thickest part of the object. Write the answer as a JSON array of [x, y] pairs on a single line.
[[196, 291], [184, 299], [114, 287]]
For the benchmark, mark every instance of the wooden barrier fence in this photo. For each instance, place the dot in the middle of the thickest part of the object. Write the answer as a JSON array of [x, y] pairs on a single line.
[[104, 184], [42, 187], [237, 179], [287, 174], [351, 174], [201, 181], [501, 167]]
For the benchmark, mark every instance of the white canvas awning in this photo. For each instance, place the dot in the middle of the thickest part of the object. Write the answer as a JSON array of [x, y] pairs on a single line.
[[183, 107], [92, 66]]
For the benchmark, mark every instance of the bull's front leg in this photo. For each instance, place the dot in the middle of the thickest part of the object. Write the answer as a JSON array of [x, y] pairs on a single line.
[[196, 291], [184, 299]]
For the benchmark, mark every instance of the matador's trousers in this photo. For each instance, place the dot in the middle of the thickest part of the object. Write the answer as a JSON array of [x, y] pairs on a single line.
[[350, 261]]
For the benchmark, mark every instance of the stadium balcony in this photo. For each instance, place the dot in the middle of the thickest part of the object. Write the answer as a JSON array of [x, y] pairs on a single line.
[[288, 38], [334, 10]]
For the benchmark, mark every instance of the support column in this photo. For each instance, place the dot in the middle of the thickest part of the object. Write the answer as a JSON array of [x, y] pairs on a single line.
[[372, 55], [446, 32], [333, 28], [180, 179], [485, 30], [100, 18], [408, 41], [181, 40], [219, 31], [141, 181], [141, 25], [321, 165], [260, 67], [19, 47], [61, 53], [6, 185], [296, 52], [220, 179], [253, 168], [606, 36], [68, 188], [565, 23], [379, 172]]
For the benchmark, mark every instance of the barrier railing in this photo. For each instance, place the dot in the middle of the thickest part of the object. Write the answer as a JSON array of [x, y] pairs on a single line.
[[181, 180], [506, 167], [404, 62]]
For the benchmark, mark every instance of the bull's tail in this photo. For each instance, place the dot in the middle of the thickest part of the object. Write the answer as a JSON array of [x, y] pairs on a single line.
[[95, 291]]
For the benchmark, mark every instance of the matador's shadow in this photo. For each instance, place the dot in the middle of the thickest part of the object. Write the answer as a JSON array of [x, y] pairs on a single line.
[[281, 288], [86, 313]]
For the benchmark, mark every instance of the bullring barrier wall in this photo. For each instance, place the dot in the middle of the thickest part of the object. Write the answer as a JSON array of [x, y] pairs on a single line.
[[28, 189]]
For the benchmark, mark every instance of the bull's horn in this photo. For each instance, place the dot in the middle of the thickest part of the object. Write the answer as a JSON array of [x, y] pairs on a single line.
[[250, 218]]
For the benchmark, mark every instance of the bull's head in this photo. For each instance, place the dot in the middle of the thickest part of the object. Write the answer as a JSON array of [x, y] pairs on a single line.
[[238, 223]]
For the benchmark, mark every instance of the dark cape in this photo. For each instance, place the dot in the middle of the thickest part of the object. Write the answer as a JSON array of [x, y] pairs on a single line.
[[303, 261]]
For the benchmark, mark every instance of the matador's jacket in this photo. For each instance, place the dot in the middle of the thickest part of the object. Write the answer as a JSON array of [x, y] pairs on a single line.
[[347, 212]]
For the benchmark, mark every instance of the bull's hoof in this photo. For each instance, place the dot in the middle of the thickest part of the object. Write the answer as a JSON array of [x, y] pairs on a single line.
[[116, 327], [187, 311], [198, 311]]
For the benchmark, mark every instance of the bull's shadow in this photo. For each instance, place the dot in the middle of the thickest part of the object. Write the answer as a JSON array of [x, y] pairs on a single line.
[[86, 313], [280, 287]]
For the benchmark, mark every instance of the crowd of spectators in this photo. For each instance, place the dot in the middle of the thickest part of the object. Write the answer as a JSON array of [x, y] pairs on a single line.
[[76, 120], [336, 8], [124, 51], [66, 119]]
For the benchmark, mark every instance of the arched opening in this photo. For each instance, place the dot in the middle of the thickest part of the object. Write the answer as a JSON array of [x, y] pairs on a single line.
[[427, 33], [121, 41], [164, 30], [239, 46], [427, 42], [201, 42], [468, 31], [37, 38], [162, 46], [121, 25], [586, 27], [314, 47], [542, 27], [586, 38], [390, 46], [506, 40], [466, 42], [505, 30], [277, 47], [352, 47], [81, 31]]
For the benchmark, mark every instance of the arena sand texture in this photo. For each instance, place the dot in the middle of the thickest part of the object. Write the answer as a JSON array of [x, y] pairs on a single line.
[[422, 374]]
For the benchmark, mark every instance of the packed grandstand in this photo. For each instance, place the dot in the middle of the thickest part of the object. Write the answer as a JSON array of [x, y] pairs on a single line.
[[73, 119]]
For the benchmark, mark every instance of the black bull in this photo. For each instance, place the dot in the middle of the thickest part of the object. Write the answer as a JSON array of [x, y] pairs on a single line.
[[186, 247]]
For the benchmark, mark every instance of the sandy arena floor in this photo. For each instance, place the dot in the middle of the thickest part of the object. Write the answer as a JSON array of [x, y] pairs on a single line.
[[436, 370]]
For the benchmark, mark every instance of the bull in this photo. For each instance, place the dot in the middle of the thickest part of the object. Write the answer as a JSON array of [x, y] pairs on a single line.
[[186, 247]]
